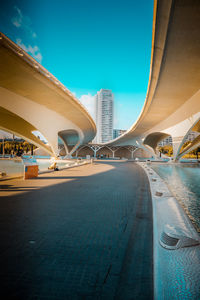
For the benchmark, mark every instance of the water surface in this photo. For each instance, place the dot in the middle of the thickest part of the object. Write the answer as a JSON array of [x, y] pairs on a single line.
[[184, 182]]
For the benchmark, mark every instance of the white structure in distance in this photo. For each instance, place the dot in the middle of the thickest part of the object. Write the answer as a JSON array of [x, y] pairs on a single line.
[[118, 132], [104, 116]]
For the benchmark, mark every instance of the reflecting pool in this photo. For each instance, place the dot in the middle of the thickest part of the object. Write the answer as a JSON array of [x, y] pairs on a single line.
[[184, 182]]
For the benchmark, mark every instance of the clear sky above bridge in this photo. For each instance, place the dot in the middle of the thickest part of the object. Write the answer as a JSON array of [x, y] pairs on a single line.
[[88, 45]]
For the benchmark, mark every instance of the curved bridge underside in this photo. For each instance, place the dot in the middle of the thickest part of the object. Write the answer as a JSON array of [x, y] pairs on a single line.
[[172, 105], [39, 101], [12, 123]]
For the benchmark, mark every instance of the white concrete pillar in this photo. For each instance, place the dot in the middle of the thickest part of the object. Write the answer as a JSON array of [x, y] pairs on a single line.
[[65, 146], [75, 147], [113, 153], [192, 146], [177, 142], [132, 151], [179, 131], [95, 148], [145, 147], [113, 149]]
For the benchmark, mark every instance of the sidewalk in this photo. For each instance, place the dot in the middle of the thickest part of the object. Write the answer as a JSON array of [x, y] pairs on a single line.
[[81, 233]]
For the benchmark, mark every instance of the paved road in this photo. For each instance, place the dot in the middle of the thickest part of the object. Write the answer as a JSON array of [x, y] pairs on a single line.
[[83, 233]]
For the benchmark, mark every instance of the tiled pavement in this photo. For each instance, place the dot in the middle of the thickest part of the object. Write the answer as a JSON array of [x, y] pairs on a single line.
[[84, 233]]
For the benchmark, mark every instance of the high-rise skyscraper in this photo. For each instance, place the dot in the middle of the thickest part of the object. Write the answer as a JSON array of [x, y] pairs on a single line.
[[104, 116]]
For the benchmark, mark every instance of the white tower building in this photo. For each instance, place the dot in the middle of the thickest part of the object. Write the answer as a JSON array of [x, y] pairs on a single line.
[[104, 116]]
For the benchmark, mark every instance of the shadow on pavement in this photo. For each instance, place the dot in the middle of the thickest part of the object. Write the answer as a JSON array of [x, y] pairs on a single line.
[[79, 239]]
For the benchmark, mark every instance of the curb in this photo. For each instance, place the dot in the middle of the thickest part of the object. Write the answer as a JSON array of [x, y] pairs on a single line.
[[47, 171], [176, 272]]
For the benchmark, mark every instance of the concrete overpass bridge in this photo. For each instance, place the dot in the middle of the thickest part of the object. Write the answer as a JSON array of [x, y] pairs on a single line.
[[172, 105], [32, 99]]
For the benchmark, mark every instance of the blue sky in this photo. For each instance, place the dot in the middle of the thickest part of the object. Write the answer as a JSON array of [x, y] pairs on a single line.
[[88, 45]]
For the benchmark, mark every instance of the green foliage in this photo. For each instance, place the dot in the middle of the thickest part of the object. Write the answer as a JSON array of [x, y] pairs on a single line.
[[166, 150], [13, 147]]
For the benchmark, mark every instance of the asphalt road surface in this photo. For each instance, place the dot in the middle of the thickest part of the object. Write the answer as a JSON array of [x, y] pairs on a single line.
[[81, 233]]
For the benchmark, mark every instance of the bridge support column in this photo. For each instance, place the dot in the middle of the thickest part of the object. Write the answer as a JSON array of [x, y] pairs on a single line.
[[113, 153], [180, 131], [177, 142], [66, 149], [113, 149], [146, 148], [95, 148], [131, 149], [132, 154], [75, 147], [193, 145], [69, 154], [79, 149]]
